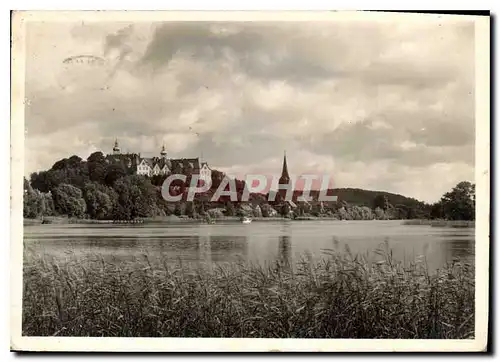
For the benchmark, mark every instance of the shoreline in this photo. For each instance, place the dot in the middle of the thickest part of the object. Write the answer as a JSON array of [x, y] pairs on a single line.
[[438, 223], [58, 220]]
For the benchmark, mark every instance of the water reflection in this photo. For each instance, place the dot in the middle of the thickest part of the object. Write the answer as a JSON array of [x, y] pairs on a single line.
[[266, 242], [204, 250], [228, 248], [285, 251], [459, 248]]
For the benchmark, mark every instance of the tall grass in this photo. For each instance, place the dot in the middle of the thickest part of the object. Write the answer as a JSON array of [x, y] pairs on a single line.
[[343, 296]]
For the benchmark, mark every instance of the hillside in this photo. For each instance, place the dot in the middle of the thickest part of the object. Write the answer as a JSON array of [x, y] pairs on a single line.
[[362, 197]]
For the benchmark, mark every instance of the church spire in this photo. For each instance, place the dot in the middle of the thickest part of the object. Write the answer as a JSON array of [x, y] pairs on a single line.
[[285, 178]]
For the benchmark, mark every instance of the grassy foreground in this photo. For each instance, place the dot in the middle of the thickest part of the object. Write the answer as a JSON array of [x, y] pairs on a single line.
[[341, 297]]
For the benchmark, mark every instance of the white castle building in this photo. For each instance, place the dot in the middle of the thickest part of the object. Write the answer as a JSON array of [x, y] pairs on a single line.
[[161, 165]]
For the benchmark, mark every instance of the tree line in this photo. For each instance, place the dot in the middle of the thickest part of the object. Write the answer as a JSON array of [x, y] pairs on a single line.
[[96, 189], [457, 204]]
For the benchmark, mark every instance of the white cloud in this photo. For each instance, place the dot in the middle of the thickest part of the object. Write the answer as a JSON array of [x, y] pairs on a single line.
[[377, 105]]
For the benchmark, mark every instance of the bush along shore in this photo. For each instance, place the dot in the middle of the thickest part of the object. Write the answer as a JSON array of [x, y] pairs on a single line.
[[343, 296]]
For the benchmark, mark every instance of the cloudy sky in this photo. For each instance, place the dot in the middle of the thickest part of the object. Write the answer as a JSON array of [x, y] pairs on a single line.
[[377, 105]]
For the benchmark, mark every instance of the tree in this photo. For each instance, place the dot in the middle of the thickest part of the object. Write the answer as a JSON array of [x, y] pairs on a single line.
[[217, 177], [437, 211], [71, 171], [191, 210], [48, 204], [68, 200], [157, 180], [97, 156], [123, 207], [114, 172], [96, 165], [74, 161], [76, 176], [380, 201], [411, 213], [33, 202], [26, 185], [240, 188], [267, 210], [202, 208], [136, 197], [99, 200], [285, 209], [459, 203], [61, 164], [320, 208], [178, 209], [45, 181], [97, 172], [230, 210], [379, 213]]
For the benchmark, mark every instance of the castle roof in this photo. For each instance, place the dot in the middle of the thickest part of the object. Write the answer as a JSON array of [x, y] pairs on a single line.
[[122, 157], [153, 161], [176, 165], [185, 164]]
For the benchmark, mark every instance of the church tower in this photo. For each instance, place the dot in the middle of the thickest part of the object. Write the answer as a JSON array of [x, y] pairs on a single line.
[[116, 148], [163, 152], [284, 179]]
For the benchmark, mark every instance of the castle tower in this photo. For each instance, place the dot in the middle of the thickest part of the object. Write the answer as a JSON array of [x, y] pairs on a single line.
[[116, 148], [163, 152]]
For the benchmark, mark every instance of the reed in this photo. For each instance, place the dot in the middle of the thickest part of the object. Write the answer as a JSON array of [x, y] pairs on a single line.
[[343, 296]]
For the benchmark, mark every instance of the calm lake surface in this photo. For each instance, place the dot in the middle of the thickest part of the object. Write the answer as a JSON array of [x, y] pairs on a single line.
[[258, 242]]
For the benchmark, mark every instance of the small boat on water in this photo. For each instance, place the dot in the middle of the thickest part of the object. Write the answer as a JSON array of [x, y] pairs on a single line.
[[246, 220]]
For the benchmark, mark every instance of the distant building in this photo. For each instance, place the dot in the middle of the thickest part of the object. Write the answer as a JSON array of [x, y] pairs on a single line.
[[162, 165]]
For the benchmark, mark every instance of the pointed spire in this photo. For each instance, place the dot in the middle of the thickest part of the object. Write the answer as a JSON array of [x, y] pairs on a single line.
[[285, 168], [285, 178]]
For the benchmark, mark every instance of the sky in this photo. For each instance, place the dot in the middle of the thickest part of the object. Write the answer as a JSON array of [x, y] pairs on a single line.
[[380, 105]]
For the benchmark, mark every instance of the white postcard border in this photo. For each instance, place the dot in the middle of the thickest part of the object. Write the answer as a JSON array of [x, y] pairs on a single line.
[[482, 169]]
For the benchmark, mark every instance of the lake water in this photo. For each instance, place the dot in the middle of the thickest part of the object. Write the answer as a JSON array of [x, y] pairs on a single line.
[[260, 242]]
